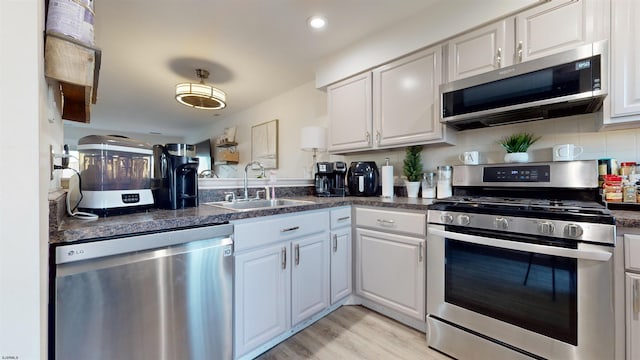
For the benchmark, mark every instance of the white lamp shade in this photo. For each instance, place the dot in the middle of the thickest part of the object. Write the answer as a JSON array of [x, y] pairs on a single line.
[[313, 138]]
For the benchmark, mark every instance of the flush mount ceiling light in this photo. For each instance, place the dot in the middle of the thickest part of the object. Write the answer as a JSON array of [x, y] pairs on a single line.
[[317, 22], [201, 95]]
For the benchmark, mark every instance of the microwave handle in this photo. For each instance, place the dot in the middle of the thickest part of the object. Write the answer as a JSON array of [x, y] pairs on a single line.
[[514, 245]]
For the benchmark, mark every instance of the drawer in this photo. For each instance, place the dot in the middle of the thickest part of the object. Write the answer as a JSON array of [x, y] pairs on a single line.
[[632, 252], [391, 220], [340, 217], [251, 233]]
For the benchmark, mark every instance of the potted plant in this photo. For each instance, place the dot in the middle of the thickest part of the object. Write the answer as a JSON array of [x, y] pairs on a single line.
[[412, 169], [517, 145]]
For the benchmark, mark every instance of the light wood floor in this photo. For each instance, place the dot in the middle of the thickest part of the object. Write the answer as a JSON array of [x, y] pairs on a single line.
[[354, 332]]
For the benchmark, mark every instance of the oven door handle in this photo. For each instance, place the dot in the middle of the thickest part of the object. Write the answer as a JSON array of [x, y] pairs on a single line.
[[514, 245]]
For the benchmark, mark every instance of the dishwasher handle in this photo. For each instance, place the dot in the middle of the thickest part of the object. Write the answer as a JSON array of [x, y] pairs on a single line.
[[123, 245]]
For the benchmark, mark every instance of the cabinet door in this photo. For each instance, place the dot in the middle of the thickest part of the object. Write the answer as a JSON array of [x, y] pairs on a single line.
[[405, 98], [340, 264], [262, 291], [481, 50], [349, 111], [390, 270], [309, 277], [625, 61], [554, 27], [633, 315]]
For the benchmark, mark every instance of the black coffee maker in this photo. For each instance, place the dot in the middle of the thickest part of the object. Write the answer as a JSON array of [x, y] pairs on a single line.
[[363, 178], [330, 179], [175, 176]]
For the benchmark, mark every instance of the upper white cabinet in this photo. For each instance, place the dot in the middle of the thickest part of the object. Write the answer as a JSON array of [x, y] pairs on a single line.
[[400, 108], [624, 91], [485, 49], [559, 25], [405, 100], [349, 103]]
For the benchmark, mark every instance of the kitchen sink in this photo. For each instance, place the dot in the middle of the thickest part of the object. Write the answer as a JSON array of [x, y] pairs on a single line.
[[258, 204]]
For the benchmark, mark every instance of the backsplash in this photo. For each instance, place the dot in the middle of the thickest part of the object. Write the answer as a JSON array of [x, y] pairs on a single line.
[[622, 145]]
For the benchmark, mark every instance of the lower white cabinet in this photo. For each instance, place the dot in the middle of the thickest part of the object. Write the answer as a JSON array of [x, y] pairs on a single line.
[[390, 266], [281, 275], [340, 242], [632, 295]]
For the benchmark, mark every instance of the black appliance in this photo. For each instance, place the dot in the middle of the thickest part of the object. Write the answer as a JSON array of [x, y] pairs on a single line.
[[363, 178], [569, 83], [521, 264], [175, 176], [330, 179]]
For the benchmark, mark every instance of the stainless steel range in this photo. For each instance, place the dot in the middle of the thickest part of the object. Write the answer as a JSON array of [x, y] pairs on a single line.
[[520, 264]]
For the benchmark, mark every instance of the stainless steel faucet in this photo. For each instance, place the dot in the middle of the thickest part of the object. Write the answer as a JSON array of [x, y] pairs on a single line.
[[246, 181]]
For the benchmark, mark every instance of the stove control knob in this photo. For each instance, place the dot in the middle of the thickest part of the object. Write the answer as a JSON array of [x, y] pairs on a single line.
[[573, 231], [501, 223], [446, 218], [464, 220], [546, 228]]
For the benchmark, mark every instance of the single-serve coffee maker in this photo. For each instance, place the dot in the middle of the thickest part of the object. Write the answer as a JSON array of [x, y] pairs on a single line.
[[175, 176], [330, 179]]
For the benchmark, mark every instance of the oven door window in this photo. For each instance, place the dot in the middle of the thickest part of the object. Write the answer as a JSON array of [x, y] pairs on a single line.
[[532, 291]]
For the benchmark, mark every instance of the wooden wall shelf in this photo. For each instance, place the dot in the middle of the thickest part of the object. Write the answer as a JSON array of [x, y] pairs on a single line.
[[76, 67]]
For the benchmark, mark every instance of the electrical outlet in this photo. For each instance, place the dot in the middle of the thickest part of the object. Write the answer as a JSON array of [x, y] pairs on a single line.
[[51, 162]]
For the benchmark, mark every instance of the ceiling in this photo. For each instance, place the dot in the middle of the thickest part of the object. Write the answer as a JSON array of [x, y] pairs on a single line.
[[254, 50]]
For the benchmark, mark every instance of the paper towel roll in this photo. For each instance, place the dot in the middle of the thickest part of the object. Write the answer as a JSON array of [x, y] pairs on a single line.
[[387, 181]]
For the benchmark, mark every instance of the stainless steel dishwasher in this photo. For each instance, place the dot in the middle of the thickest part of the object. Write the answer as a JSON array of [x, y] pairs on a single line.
[[165, 295]]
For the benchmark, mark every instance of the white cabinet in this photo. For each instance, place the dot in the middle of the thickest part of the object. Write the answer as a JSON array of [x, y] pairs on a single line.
[[390, 259], [281, 275], [349, 110], [261, 297], [341, 283], [632, 295], [394, 105], [405, 100], [559, 25], [624, 92], [482, 50], [546, 29]]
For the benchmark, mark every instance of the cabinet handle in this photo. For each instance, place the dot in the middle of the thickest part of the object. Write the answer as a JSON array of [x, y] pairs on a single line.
[[335, 243], [499, 57], [284, 258], [344, 218], [519, 51], [377, 137], [297, 255], [368, 136], [420, 254], [636, 296], [386, 222], [290, 229]]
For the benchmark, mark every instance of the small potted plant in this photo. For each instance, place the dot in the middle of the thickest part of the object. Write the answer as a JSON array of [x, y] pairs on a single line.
[[412, 169], [517, 145]]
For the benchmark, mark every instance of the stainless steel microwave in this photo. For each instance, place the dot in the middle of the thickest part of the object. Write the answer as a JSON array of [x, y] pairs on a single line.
[[568, 83]]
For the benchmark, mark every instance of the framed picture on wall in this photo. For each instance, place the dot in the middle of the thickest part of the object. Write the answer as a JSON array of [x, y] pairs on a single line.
[[264, 144]]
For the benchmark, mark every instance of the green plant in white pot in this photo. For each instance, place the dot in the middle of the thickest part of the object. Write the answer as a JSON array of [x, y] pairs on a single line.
[[516, 146], [412, 169]]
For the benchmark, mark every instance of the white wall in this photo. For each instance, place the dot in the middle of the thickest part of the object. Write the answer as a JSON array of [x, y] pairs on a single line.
[[446, 19], [623, 145], [24, 133], [299, 107]]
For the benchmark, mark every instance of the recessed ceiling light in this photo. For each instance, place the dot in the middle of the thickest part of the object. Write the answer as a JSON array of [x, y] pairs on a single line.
[[317, 22]]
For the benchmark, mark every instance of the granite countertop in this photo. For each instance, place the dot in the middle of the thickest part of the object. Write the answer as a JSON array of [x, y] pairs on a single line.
[[71, 229]]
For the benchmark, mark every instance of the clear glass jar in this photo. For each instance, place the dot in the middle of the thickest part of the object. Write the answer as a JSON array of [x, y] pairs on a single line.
[[443, 188], [429, 185]]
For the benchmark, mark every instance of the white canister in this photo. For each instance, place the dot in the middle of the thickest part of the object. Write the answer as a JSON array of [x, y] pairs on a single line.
[[387, 179], [443, 189]]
